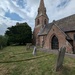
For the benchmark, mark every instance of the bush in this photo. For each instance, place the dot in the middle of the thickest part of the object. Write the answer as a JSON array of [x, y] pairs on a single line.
[[3, 41]]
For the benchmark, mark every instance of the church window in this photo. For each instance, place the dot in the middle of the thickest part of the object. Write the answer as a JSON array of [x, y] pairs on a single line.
[[45, 21], [74, 37], [53, 29], [38, 11], [43, 42], [38, 21], [54, 42]]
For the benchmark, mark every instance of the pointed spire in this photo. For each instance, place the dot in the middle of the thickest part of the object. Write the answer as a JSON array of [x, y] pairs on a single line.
[[42, 8], [42, 4]]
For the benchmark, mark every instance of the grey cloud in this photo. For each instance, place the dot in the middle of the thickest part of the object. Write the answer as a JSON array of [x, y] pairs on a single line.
[[30, 12]]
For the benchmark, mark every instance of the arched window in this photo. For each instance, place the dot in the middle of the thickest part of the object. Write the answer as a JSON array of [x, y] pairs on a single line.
[[38, 22], [38, 11], [54, 43], [74, 37], [45, 21]]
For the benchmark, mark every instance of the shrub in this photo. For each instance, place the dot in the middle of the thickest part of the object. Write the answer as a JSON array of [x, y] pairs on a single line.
[[3, 41]]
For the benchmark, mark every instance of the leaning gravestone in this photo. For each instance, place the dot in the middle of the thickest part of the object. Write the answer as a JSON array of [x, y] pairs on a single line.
[[34, 51], [60, 58]]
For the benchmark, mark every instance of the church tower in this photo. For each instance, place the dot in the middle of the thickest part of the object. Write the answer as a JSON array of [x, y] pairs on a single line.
[[40, 21]]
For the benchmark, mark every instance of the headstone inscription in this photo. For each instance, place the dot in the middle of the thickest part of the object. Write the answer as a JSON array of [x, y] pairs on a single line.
[[60, 58], [34, 51]]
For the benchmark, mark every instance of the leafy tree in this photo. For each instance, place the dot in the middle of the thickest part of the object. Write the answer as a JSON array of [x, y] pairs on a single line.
[[19, 34]]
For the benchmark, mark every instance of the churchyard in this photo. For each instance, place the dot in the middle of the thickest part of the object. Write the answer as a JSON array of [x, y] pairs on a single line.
[[17, 60]]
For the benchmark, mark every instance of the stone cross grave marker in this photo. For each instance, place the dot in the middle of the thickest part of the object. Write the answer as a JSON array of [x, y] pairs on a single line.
[[34, 51], [60, 58]]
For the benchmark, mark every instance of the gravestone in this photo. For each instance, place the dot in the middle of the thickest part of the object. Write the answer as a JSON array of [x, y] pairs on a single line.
[[60, 58], [1, 47], [34, 51], [28, 45]]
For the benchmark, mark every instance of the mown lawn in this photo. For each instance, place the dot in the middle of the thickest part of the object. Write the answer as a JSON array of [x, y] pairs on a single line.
[[44, 65]]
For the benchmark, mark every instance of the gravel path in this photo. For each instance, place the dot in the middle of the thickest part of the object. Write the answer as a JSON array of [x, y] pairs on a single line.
[[56, 52]]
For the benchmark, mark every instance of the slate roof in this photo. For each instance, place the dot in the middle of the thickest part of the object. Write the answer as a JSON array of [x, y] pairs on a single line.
[[68, 37], [46, 29], [65, 24]]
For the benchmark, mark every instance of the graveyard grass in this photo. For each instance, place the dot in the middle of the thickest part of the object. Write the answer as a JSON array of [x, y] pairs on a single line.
[[44, 65]]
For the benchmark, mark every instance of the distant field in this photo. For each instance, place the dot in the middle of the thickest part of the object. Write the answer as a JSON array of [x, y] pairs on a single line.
[[16, 60]]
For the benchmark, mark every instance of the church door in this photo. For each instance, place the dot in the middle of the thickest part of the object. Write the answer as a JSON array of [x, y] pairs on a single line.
[[54, 42]]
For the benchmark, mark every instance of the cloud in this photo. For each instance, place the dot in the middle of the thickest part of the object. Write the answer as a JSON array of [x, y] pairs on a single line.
[[2, 29], [26, 10], [66, 8], [63, 4]]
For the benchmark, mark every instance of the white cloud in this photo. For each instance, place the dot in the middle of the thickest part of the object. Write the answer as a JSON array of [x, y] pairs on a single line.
[[30, 11], [58, 13]]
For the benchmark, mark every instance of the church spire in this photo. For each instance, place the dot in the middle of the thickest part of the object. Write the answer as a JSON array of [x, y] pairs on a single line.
[[41, 17], [41, 21], [42, 4], [42, 9]]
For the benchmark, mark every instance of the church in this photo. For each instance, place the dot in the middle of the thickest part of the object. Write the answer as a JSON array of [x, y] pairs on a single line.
[[54, 35]]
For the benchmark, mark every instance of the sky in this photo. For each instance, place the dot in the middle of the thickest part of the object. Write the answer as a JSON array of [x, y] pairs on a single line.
[[12, 11]]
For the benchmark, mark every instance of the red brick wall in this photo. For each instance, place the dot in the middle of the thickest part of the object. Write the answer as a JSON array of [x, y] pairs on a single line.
[[35, 34], [38, 27], [71, 35], [41, 19], [61, 38]]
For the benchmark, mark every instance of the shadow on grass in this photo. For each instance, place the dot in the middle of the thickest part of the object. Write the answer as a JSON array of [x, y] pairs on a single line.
[[25, 59], [66, 70]]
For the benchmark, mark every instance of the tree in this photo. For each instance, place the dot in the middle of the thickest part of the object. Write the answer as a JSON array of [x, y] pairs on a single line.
[[21, 33]]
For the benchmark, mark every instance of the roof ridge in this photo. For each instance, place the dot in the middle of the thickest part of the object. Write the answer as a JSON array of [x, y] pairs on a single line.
[[66, 17]]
